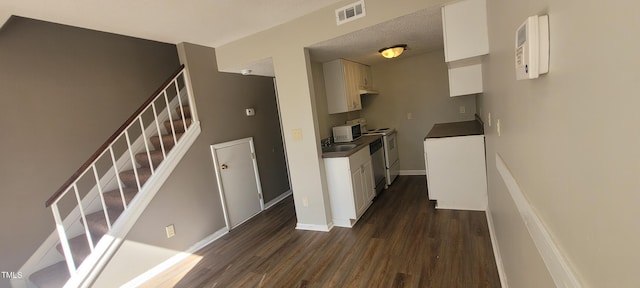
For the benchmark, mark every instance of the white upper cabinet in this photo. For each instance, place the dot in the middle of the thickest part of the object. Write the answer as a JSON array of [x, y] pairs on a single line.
[[465, 30], [465, 41], [343, 81]]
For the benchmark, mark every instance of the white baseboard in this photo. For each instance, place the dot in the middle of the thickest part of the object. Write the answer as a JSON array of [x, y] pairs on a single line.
[[164, 266], [277, 200], [342, 223], [496, 251], [413, 172], [314, 227], [556, 263]]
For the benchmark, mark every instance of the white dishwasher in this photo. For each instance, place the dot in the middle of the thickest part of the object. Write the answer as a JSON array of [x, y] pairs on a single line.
[[377, 162]]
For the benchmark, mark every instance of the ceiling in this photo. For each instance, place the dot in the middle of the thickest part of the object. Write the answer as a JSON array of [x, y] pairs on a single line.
[[211, 23], [421, 31]]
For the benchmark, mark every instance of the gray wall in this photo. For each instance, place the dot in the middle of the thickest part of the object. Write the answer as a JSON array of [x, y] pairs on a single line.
[[190, 199], [64, 91], [570, 139], [416, 85]]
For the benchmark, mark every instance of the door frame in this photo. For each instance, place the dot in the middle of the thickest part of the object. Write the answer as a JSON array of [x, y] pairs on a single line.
[[217, 169]]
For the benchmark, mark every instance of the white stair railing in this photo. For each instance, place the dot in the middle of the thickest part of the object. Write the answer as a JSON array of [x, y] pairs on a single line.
[[79, 197]]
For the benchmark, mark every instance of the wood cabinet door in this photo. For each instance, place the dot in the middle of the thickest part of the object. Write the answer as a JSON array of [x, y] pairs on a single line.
[[352, 78]]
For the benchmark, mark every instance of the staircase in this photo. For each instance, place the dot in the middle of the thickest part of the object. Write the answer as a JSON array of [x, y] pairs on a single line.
[[100, 203]]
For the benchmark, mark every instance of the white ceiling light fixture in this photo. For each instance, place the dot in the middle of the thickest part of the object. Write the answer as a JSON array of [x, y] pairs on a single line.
[[393, 51]]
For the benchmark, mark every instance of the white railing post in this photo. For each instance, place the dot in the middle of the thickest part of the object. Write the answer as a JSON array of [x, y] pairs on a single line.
[[155, 117], [184, 120], [146, 144], [99, 185], [83, 216], [133, 160], [64, 241], [173, 129], [115, 170]]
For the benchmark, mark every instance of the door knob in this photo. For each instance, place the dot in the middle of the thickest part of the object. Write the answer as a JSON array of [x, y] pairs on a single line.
[[224, 166]]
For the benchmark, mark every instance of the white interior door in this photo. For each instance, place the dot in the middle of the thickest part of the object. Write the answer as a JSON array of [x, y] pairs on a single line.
[[238, 180]]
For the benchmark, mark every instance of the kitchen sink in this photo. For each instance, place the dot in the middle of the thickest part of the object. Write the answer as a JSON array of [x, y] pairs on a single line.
[[339, 147]]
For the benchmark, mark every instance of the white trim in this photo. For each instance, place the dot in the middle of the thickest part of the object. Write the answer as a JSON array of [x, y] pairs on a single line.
[[339, 222], [496, 251], [314, 227], [167, 264], [278, 199], [412, 172], [555, 261]]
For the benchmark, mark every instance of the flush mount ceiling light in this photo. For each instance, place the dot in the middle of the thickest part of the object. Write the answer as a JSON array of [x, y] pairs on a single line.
[[393, 51]]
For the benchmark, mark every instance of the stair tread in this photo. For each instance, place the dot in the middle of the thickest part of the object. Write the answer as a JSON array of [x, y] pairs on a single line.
[[97, 222], [167, 141], [128, 177], [186, 110], [113, 199], [79, 248], [54, 276], [177, 125], [156, 158]]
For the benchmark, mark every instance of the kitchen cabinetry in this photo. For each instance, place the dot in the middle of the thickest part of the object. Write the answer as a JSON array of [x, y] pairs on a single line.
[[351, 186], [365, 77], [456, 171], [343, 81], [466, 39]]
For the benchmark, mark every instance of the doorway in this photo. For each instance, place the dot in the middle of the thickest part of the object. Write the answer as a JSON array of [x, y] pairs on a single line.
[[236, 170]]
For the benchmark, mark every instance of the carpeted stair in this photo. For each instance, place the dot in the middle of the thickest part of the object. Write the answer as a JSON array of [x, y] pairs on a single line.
[[55, 276]]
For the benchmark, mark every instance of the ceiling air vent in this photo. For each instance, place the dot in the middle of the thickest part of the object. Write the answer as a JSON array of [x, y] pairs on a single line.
[[350, 12]]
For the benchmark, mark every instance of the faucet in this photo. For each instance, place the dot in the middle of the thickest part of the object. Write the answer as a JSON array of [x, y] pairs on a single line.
[[326, 142]]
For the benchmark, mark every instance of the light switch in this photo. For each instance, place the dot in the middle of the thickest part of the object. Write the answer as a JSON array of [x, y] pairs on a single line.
[[462, 109], [409, 116], [171, 231], [297, 134]]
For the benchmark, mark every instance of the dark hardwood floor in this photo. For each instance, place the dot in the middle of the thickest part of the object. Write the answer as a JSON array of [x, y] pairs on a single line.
[[401, 241]]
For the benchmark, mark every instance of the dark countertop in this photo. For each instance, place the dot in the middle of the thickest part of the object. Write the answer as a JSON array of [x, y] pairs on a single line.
[[454, 129], [361, 142]]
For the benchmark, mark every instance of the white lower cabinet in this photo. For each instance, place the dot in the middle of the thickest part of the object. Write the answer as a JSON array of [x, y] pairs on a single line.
[[456, 172], [351, 186]]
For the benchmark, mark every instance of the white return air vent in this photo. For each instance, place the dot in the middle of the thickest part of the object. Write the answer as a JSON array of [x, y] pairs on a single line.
[[350, 12]]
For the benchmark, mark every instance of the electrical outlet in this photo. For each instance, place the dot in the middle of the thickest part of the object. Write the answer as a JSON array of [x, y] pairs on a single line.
[[305, 202], [462, 109], [409, 116], [171, 231]]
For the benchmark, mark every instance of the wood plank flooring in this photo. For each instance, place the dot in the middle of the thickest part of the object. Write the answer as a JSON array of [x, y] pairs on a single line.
[[401, 241]]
